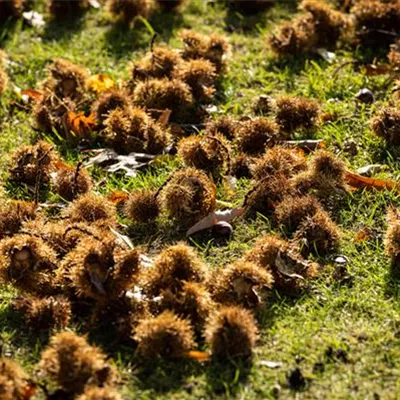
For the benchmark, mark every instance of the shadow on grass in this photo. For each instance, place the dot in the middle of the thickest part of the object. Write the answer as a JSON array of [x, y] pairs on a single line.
[[21, 336], [383, 153], [392, 288], [227, 377], [63, 30], [123, 39], [165, 232], [166, 376], [8, 28], [245, 24]]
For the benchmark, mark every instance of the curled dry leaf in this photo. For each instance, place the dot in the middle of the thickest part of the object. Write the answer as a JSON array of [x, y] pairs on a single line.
[[370, 170], [328, 56], [100, 83], [306, 145], [33, 18], [362, 182], [95, 4], [285, 269], [145, 261], [122, 239], [214, 218], [118, 197], [112, 162], [163, 119], [31, 94], [29, 391], [363, 235], [80, 124], [376, 69], [270, 364]]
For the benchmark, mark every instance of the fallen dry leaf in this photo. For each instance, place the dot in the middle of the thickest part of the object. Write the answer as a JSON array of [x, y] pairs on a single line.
[[362, 182], [94, 4], [33, 18], [370, 170], [29, 391], [270, 364], [122, 239], [118, 197], [285, 269], [328, 56], [163, 119], [100, 83], [31, 94], [198, 355], [376, 69], [306, 145], [80, 124], [363, 235], [112, 162], [213, 219]]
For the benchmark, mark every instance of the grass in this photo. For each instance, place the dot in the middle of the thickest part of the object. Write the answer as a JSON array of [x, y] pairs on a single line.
[[359, 315]]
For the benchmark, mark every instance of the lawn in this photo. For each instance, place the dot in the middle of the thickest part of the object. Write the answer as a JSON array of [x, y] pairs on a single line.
[[342, 334]]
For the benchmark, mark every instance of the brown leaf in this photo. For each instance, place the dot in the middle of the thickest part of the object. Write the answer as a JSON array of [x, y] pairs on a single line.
[[376, 69], [213, 219], [285, 269], [363, 182], [163, 119]]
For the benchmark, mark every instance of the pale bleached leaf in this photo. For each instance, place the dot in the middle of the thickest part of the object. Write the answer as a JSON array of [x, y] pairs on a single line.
[[110, 161], [328, 56], [213, 218], [34, 18], [285, 269], [123, 239], [270, 364], [370, 170], [94, 4], [145, 262]]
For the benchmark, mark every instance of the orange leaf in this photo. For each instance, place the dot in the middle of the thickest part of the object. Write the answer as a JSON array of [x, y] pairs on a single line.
[[363, 235], [80, 124], [100, 83], [28, 391], [32, 94], [118, 197], [198, 355], [363, 182]]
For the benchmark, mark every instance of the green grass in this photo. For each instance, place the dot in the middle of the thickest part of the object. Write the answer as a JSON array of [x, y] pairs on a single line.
[[360, 315]]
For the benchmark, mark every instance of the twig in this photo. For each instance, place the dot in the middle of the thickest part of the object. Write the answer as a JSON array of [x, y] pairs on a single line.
[[76, 176], [342, 65], [39, 174]]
